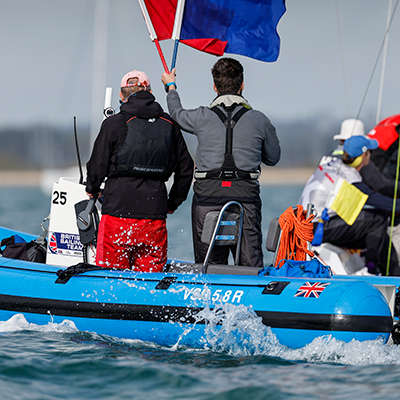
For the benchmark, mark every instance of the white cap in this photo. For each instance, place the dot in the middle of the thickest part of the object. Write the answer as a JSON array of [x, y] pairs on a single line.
[[350, 127]]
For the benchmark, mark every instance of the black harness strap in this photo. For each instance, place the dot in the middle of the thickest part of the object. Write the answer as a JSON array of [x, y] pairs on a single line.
[[228, 170], [229, 123]]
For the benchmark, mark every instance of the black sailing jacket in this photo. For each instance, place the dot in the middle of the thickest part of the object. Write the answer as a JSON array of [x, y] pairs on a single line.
[[132, 197]]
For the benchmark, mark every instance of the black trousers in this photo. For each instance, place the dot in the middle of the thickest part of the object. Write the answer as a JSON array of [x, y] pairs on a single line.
[[369, 232], [251, 245]]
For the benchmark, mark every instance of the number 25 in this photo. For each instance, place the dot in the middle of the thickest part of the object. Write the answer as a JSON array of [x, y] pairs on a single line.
[[59, 197]]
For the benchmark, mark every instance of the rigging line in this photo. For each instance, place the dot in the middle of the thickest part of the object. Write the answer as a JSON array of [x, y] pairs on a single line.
[[396, 182], [346, 95], [378, 111], [376, 62]]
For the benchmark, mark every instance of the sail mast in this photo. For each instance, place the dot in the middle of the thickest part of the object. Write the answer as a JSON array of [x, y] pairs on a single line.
[[378, 112], [100, 40]]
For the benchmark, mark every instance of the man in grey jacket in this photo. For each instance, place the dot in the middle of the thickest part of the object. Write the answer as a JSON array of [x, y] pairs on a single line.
[[228, 160]]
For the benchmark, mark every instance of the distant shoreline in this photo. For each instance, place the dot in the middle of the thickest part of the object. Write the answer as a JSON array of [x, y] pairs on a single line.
[[20, 178], [285, 176], [269, 176]]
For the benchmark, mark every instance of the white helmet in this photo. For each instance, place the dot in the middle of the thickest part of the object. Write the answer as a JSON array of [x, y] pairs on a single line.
[[350, 127]]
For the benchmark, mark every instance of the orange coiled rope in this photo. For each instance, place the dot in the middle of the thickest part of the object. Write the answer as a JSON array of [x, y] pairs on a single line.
[[297, 231]]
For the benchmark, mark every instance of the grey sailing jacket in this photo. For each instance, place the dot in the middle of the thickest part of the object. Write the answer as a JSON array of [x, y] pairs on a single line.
[[254, 142]]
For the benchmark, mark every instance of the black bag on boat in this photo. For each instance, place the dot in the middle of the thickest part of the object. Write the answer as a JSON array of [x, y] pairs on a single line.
[[19, 249]]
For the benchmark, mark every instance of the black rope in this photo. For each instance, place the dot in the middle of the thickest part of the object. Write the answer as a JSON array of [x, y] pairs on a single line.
[[64, 275]]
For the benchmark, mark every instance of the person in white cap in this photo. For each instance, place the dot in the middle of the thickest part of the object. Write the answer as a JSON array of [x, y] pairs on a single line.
[[350, 127], [369, 229], [370, 174], [137, 150]]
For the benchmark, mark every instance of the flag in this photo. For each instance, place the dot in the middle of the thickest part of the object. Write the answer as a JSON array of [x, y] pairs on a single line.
[[347, 201], [162, 15], [245, 27], [311, 289]]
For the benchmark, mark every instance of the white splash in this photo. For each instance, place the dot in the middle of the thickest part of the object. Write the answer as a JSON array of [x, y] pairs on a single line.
[[238, 331], [19, 323], [326, 349]]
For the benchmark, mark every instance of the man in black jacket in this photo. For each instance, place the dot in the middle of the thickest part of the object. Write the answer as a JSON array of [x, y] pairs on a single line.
[[137, 150]]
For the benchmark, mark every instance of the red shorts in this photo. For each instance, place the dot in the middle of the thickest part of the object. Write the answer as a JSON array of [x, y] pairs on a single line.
[[138, 244]]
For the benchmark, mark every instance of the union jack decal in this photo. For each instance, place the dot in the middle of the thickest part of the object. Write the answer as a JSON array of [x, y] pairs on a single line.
[[53, 244], [309, 289]]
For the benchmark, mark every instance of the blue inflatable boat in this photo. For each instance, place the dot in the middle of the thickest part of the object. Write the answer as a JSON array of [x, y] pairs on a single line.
[[168, 308]]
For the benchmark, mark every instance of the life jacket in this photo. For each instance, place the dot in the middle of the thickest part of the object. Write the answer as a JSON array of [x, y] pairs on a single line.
[[148, 150], [228, 170], [321, 183], [333, 155]]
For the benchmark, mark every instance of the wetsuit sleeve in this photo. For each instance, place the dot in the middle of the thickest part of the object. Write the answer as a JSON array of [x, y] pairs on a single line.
[[98, 165], [183, 174], [378, 181], [377, 200]]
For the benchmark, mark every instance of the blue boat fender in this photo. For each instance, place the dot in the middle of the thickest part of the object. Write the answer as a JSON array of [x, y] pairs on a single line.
[[366, 302]]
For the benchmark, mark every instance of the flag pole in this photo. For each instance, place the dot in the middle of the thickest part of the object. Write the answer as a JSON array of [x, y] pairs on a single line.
[[152, 33], [176, 33], [175, 54], [164, 63]]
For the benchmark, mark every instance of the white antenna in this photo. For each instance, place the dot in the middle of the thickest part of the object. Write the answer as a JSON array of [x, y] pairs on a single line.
[[108, 110]]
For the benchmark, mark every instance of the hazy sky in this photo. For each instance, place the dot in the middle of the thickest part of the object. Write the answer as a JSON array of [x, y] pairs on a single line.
[[325, 63]]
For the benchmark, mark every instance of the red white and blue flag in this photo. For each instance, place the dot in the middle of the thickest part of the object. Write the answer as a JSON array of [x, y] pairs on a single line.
[[245, 27], [311, 289], [53, 244]]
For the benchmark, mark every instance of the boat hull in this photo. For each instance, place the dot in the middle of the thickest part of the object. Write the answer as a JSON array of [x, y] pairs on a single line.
[[170, 308]]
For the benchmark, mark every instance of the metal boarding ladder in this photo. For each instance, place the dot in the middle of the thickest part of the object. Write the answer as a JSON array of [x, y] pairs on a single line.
[[236, 237]]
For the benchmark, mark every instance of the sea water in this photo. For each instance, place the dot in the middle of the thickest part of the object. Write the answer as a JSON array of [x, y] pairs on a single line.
[[242, 359]]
